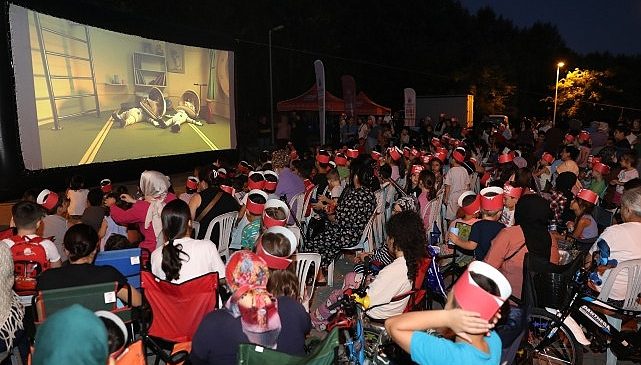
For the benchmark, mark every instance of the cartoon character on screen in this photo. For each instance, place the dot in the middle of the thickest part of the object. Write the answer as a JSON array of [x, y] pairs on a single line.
[[603, 262], [150, 109], [128, 117], [179, 118]]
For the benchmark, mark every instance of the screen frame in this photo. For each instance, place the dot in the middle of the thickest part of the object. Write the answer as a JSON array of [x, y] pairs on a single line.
[[15, 177]]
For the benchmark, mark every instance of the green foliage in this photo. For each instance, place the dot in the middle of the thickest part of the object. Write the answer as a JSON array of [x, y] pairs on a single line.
[[579, 89]]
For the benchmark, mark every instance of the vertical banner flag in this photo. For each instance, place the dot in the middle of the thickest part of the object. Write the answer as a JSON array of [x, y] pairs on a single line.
[[410, 107], [349, 94], [320, 88]]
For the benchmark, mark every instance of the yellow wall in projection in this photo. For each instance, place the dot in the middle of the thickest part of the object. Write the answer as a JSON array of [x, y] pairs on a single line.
[[112, 56]]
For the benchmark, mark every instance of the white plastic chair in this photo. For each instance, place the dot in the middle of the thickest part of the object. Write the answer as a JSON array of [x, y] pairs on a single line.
[[304, 262], [297, 205], [306, 217], [633, 268], [364, 243], [380, 218], [390, 197], [226, 222]]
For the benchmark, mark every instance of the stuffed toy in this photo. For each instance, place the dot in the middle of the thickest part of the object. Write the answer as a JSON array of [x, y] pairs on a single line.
[[179, 118]]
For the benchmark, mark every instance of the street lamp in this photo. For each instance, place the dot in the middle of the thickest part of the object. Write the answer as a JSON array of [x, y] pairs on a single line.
[[271, 86], [556, 89]]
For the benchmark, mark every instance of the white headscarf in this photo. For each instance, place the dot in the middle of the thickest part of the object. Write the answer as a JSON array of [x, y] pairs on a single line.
[[154, 186]]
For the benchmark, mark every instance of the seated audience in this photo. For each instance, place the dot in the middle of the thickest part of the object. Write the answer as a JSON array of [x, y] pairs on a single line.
[[619, 243], [183, 258], [470, 313], [81, 244], [145, 212], [251, 315], [406, 242], [74, 336], [28, 218], [529, 234]]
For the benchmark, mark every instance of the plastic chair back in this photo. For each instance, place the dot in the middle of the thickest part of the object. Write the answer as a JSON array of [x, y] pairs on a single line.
[[367, 238], [304, 262], [127, 262], [93, 297], [626, 271], [297, 205], [226, 223], [178, 309]]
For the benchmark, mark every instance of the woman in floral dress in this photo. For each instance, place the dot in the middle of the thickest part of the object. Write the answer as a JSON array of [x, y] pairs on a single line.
[[354, 210]]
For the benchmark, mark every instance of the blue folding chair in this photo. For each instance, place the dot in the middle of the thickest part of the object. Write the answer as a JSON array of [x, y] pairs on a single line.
[[126, 261]]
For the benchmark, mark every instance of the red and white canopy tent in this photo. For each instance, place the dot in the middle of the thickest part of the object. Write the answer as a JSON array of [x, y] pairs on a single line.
[[308, 101], [363, 105]]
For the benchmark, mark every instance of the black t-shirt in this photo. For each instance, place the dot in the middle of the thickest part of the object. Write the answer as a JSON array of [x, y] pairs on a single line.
[[483, 232], [320, 180], [295, 325], [78, 275], [225, 204]]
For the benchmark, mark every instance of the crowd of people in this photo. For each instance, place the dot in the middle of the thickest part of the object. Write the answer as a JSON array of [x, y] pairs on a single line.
[[489, 194]]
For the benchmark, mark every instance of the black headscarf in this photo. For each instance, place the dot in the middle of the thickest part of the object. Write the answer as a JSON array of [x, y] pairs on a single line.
[[533, 214]]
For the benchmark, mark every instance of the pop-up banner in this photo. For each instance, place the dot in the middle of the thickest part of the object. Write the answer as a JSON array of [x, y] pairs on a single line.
[[410, 107], [320, 84]]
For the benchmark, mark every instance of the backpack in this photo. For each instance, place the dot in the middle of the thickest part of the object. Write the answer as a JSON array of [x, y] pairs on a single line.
[[29, 260]]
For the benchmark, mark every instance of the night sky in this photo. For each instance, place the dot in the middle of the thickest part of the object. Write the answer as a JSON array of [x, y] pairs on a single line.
[[586, 25]]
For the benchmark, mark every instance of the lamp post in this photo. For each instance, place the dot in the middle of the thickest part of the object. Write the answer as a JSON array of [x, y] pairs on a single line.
[[556, 90], [271, 85]]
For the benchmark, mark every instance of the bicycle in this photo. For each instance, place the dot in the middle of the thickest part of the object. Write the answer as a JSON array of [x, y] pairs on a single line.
[[557, 335], [365, 341]]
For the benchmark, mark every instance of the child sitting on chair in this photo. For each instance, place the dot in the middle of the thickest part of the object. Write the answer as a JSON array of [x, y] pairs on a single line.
[[470, 313], [254, 207]]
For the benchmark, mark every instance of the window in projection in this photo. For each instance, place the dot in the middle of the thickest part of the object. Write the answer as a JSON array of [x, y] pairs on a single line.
[[88, 95]]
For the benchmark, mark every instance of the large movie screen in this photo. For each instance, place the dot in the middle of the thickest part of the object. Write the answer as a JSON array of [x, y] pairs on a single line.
[[88, 95]]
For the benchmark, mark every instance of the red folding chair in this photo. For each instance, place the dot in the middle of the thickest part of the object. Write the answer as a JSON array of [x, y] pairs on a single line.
[[177, 309]]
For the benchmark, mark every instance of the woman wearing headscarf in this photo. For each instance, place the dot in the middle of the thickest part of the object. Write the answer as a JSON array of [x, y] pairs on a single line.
[[145, 212], [251, 315], [529, 234], [11, 311], [73, 336]]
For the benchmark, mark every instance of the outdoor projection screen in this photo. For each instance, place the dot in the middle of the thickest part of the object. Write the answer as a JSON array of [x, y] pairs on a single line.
[[87, 95]]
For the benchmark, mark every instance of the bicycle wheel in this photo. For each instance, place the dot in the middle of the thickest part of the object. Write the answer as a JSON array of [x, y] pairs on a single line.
[[563, 348]]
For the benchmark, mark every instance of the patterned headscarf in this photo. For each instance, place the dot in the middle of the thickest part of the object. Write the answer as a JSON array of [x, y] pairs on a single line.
[[247, 275], [154, 187], [407, 203]]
